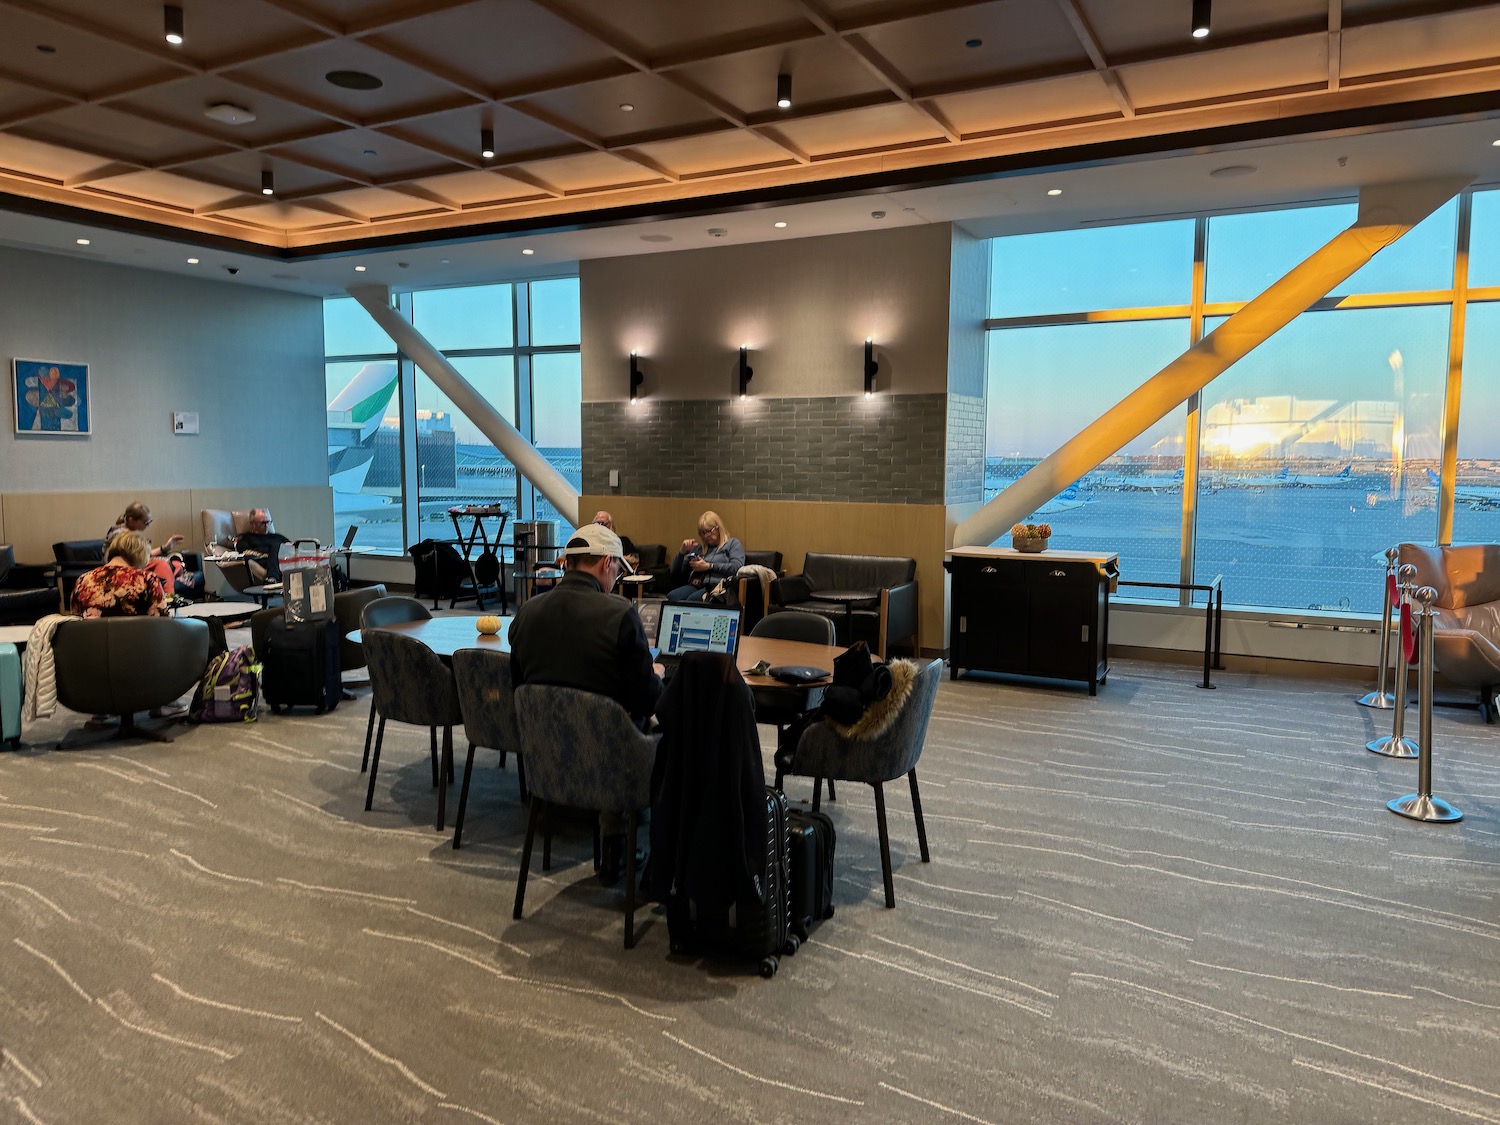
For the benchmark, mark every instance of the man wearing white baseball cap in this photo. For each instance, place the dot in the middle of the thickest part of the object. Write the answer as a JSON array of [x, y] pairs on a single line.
[[579, 635]]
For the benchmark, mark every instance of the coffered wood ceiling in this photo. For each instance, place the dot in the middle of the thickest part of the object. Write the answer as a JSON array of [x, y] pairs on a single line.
[[98, 112]]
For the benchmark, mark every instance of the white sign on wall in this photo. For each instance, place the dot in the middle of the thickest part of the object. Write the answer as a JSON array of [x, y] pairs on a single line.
[[184, 422]]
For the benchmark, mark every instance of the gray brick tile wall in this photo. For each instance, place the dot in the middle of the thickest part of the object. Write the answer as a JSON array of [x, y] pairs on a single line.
[[965, 449]]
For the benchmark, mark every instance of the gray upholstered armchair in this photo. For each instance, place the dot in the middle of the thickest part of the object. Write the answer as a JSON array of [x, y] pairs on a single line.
[[583, 752], [823, 752], [1466, 631], [871, 598], [124, 665]]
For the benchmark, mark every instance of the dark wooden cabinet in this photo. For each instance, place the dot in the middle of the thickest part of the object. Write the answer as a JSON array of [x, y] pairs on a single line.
[[1044, 615]]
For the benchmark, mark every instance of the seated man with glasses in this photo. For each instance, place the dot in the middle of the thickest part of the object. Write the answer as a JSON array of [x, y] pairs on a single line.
[[582, 636], [261, 546]]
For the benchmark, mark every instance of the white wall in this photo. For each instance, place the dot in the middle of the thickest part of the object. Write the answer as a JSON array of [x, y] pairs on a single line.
[[248, 361]]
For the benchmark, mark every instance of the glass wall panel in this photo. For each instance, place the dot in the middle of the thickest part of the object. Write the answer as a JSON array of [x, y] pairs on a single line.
[[364, 450], [1476, 498], [1484, 240], [1046, 384], [555, 312], [1148, 264], [557, 421], [456, 463], [348, 330], [1420, 259], [477, 316], [1316, 454], [1248, 252]]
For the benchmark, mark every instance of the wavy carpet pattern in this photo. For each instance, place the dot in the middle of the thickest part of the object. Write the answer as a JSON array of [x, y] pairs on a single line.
[[1161, 905]]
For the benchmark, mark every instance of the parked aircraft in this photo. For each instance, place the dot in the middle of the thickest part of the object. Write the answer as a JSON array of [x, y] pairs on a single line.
[[1282, 479], [1321, 481], [1476, 496], [1065, 501], [1150, 482]]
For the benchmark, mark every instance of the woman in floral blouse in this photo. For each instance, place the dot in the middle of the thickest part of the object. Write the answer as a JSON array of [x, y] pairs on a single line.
[[120, 588]]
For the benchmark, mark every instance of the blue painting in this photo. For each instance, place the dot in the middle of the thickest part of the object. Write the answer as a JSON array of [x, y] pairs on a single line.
[[51, 398]]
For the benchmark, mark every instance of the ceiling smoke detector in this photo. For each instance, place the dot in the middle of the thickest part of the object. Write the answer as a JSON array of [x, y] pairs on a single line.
[[229, 113]]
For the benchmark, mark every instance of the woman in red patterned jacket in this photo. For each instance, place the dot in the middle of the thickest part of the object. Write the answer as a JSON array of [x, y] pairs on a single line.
[[120, 588]]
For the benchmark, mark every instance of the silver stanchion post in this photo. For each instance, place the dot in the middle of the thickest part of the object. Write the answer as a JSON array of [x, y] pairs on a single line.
[[1380, 698], [1422, 805], [1396, 744]]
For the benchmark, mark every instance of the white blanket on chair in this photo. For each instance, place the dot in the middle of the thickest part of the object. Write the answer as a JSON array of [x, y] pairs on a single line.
[[41, 678], [764, 575]]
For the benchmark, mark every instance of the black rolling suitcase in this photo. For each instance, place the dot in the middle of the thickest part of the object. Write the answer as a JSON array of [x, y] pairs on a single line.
[[811, 843], [301, 666], [752, 929]]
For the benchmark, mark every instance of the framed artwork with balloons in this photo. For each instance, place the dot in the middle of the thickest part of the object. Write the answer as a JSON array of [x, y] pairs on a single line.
[[51, 398]]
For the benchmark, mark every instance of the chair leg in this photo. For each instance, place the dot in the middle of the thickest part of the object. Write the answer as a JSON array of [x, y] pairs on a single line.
[[780, 776], [445, 765], [432, 753], [375, 764], [832, 796], [817, 793], [502, 759], [521, 775], [369, 732], [463, 799], [916, 808], [525, 858], [547, 839], [630, 820], [885, 847]]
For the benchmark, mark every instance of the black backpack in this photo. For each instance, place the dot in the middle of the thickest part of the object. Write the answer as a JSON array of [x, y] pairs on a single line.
[[440, 569]]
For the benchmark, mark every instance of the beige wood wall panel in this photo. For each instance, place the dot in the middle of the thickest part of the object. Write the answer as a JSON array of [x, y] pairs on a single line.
[[304, 512], [36, 520], [804, 307], [797, 527], [3, 539]]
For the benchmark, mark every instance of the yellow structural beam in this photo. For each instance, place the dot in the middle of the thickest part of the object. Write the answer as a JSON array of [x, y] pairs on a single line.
[[1386, 212]]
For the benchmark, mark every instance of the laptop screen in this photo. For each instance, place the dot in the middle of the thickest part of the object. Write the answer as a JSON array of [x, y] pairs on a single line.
[[350, 534], [698, 628]]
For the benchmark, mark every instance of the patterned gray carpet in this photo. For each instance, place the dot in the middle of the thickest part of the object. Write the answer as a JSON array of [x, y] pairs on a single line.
[[1163, 904]]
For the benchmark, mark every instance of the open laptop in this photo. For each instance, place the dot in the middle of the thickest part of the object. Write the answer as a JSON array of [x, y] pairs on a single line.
[[350, 534], [695, 627]]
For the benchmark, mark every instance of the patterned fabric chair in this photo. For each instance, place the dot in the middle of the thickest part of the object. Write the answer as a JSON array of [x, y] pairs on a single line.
[[822, 752], [583, 752], [411, 684], [382, 611], [486, 696]]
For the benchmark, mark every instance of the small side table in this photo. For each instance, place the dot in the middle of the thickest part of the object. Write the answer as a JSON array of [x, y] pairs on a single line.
[[638, 582], [264, 594]]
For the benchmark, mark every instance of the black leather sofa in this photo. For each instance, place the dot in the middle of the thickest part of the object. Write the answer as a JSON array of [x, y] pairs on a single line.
[[26, 592], [870, 598]]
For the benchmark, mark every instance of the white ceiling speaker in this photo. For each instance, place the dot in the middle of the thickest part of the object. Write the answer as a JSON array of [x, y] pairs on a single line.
[[229, 113]]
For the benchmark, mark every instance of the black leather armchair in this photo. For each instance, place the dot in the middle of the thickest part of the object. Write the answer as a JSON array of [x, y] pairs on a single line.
[[654, 562], [870, 598], [74, 558], [26, 592], [124, 665]]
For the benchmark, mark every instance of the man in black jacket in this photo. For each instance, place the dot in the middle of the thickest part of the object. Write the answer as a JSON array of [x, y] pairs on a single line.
[[582, 636]]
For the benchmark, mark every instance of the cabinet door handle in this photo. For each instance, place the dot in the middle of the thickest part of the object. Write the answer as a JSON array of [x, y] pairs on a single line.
[[1057, 574], [1085, 637], [988, 570], [963, 624]]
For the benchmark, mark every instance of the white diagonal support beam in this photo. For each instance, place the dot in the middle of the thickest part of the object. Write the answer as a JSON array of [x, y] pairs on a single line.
[[376, 300], [1386, 212]]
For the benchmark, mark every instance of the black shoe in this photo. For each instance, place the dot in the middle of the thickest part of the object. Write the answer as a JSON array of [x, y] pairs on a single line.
[[611, 859]]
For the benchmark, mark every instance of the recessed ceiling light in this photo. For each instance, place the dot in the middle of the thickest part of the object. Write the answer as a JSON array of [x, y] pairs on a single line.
[[229, 113], [370, 152], [192, 261], [626, 107], [442, 261], [1495, 143], [972, 43], [83, 242], [353, 80], [1054, 191], [1230, 171], [46, 48], [781, 224], [528, 251], [359, 269], [717, 232]]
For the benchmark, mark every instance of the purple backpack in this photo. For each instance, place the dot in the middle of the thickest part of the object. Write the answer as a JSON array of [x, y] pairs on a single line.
[[230, 689]]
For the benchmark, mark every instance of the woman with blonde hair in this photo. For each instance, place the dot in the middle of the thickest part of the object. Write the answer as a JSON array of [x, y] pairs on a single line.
[[121, 587], [169, 568], [702, 562]]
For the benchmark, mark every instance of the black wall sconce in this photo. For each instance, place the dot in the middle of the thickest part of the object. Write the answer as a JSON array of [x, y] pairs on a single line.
[[746, 371], [871, 367], [636, 378]]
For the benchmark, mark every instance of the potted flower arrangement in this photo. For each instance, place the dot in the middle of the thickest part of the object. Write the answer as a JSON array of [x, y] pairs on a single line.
[[1030, 537]]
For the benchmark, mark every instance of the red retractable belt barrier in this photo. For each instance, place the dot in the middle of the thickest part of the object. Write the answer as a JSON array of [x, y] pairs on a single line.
[[1390, 588], [1408, 634]]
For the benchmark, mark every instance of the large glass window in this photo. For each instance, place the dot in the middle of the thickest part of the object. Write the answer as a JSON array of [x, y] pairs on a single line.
[[1484, 240], [526, 367], [1149, 264], [1046, 384], [1476, 494]]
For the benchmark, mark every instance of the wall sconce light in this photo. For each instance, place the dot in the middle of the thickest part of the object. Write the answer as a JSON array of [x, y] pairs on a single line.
[[1202, 14], [636, 378], [871, 367], [487, 143], [746, 371], [172, 23], [783, 91], [267, 182]]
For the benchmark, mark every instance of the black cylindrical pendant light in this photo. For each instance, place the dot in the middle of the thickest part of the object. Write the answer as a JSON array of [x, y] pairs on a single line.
[[1202, 15]]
